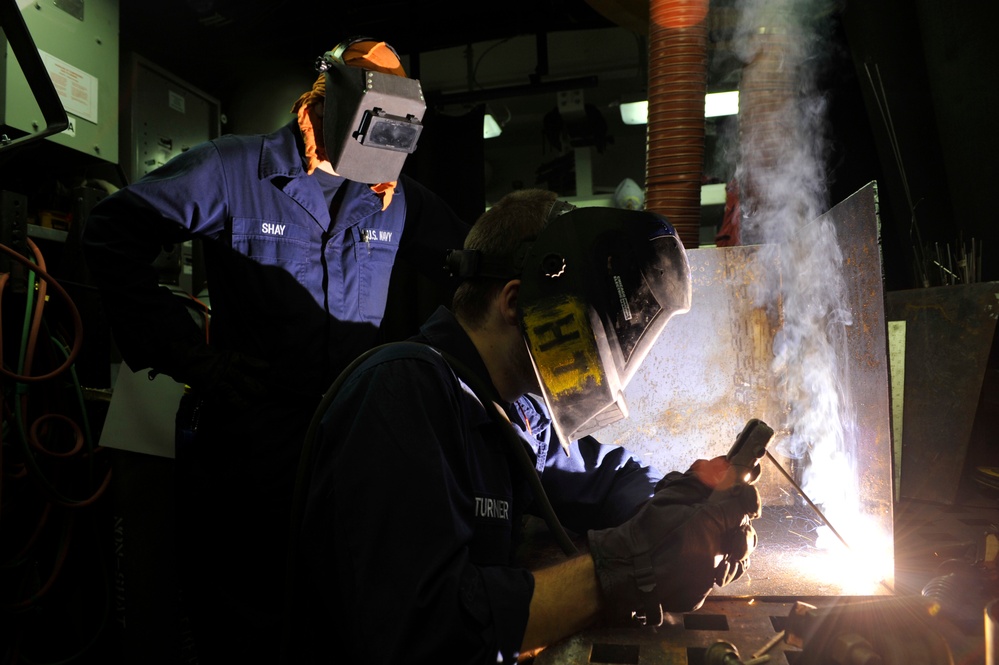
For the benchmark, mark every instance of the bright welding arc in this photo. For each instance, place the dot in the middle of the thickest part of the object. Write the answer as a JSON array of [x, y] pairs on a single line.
[[812, 504], [805, 497]]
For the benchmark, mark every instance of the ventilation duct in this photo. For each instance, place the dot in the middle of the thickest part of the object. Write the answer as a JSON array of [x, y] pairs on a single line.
[[677, 83]]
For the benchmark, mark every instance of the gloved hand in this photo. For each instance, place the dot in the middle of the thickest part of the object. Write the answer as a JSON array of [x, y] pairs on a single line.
[[675, 549], [699, 485], [227, 376], [698, 482]]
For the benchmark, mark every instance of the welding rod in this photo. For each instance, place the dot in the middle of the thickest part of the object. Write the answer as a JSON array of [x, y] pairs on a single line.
[[974, 277], [944, 271], [769, 645], [757, 660], [814, 507], [976, 257], [805, 497]]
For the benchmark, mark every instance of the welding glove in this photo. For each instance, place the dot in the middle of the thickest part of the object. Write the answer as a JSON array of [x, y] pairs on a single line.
[[696, 486], [681, 543], [230, 377]]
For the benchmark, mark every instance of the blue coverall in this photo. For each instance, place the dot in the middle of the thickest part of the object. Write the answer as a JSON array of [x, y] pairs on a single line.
[[410, 529], [288, 285]]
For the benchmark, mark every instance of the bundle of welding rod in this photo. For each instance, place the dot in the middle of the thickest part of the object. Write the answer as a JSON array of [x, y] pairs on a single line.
[[960, 266]]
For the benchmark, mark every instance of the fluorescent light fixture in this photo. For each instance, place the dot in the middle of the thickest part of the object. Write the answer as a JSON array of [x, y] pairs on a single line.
[[490, 128], [721, 103], [635, 113], [715, 104]]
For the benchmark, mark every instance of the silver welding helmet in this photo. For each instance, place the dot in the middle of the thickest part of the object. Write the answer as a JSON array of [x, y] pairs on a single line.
[[597, 288], [371, 120]]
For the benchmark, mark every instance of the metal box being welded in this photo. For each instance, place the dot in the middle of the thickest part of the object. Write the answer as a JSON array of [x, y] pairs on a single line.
[[719, 365]]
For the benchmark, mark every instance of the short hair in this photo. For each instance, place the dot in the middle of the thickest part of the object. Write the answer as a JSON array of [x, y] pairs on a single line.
[[498, 234]]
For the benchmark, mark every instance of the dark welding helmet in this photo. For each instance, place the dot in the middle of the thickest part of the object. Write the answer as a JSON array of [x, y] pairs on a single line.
[[372, 119], [597, 288]]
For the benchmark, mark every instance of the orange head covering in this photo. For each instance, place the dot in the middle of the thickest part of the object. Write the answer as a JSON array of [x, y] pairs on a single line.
[[364, 53]]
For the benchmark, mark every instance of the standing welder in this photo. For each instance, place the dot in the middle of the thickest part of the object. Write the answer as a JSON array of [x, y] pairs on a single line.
[[411, 514], [301, 229]]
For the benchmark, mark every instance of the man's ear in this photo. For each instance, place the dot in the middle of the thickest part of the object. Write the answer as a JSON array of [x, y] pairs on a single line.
[[508, 302]]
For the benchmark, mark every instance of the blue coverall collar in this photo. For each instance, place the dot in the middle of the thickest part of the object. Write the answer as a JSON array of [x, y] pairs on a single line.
[[281, 157], [281, 153], [443, 331]]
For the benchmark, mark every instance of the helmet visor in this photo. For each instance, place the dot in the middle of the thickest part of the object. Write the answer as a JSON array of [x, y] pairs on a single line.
[[597, 289]]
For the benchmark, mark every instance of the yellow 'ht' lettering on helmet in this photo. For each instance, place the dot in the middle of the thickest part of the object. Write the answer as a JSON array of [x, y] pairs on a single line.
[[562, 345]]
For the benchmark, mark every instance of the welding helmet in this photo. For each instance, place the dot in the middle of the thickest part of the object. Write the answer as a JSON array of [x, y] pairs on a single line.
[[372, 116], [597, 287]]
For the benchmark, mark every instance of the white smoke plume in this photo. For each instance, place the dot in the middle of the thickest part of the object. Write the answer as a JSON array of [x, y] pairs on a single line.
[[784, 184]]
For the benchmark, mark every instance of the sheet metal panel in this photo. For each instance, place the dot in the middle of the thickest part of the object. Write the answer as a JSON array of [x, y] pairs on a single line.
[[949, 333]]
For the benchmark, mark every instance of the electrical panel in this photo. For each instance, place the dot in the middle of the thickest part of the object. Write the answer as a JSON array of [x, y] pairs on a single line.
[[78, 44], [166, 117]]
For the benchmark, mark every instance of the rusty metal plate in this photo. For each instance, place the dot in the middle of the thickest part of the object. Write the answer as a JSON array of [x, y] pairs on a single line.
[[948, 337]]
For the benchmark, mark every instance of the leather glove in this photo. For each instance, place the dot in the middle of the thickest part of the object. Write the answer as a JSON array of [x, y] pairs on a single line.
[[696, 486], [675, 549], [227, 376], [698, 482]]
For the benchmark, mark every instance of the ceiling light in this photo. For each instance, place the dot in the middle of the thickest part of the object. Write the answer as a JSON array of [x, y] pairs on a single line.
[[490, 128], [715, 104], [635, 113], [721, 103]]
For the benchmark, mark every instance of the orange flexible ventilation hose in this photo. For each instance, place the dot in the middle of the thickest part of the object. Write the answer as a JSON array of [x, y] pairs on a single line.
[[675, 132]]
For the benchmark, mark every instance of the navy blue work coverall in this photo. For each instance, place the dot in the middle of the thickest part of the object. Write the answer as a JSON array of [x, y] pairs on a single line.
[[411, 521], [289, 285]]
